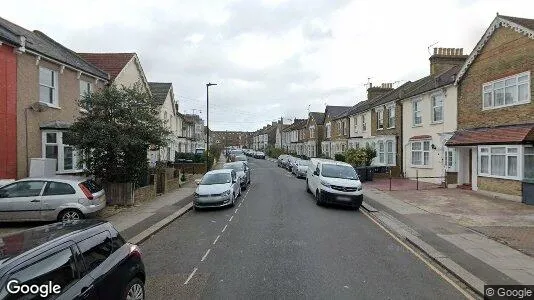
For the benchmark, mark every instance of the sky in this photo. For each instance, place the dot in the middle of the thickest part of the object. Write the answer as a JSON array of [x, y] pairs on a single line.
[[270, 59]]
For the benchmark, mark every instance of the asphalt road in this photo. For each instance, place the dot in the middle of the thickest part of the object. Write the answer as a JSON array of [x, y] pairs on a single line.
[[276, 243]]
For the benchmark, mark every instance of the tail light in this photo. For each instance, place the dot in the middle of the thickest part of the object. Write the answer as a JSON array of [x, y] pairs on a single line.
[[135, 251], [86, 191]]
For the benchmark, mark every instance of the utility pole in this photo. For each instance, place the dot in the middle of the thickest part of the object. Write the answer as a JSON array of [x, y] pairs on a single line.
[[208, 122]]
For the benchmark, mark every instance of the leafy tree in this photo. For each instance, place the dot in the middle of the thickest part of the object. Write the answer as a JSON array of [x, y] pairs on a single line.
[[360, 157], [339, 157], [115, 133]]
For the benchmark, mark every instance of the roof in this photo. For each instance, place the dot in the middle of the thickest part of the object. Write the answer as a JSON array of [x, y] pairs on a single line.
[[8, 36], [301, 124], [431, 82], [47, 47], [333, 111], [23, 241], [296, 123], [318, 117], [511, 134], [113, 63], [520, 25], [359, 107], [159, 91], [395, 94]]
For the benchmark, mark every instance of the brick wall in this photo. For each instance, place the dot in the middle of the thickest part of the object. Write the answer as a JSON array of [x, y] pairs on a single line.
[[503, 186], [451, 177], [145, 193], [172, 185], [506, 53]]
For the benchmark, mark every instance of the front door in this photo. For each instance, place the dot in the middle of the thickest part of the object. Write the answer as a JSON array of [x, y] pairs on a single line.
[[21, 200]]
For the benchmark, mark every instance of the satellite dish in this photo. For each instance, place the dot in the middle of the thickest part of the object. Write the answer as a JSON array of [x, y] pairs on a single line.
[[39, 106]]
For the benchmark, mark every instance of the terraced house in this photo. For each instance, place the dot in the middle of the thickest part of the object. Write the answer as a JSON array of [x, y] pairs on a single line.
[[315, 125], [45, 81], [332, 142], [495, 136], [429, 112]]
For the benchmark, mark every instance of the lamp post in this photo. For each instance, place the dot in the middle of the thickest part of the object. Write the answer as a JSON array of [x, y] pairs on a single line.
[[208, 121]]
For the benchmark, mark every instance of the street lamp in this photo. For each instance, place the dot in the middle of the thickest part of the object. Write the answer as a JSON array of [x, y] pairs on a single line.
[[208, 121]]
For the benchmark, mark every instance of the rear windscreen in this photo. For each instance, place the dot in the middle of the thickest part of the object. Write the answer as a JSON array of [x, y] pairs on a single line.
[[92, 186]]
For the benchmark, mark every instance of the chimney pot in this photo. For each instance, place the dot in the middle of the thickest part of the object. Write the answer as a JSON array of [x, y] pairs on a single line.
[[435, 50], [461, 51]]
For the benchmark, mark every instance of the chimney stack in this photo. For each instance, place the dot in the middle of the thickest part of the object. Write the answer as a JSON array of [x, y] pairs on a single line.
[[445, 58], [375, 92]]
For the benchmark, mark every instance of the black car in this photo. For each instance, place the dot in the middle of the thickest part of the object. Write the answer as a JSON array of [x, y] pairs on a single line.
[[83, 259]]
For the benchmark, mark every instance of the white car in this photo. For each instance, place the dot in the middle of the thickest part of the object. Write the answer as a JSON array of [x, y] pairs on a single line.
[[59, 198], [334, 182], [217, 188]]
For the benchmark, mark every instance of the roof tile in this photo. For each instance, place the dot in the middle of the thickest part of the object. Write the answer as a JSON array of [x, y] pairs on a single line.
[[512, 134], [113, 63]]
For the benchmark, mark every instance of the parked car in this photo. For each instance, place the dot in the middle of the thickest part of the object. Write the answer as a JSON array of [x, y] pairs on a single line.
[[242, 170], [86, 259], [281, 159], [290, 162], [259, 154], [300, 168], [241, 158], [334, 182], [217, 188], [50, 199]]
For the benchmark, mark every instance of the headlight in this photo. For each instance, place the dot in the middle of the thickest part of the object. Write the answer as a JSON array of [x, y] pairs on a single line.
[[226, 193], [325, 184]]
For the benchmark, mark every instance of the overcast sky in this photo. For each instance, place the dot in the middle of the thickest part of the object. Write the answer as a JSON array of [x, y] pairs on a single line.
[[270, 58]]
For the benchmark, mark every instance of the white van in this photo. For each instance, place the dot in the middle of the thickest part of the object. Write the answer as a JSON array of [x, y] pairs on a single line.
[[333, 181]]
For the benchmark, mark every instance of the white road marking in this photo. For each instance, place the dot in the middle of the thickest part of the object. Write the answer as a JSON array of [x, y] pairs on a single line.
[[468, 296], [236, 210], [231, 219], [216, 239], [240, 204], [224, 228], [205, 255], [191, 275]]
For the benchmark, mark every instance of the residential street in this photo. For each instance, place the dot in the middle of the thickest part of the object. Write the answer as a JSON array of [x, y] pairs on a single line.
[[277, 243]]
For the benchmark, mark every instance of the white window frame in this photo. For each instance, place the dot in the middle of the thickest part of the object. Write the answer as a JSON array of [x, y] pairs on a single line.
[[523, 162], [355, 118], [391, 115], [422, 151], [61, 152], [87, 84], [381, 152], [312, 131], [449, 153], [433, 107], [380, 119], [489, 88], [417, 102], [55, 88], [507, 154], [388, 153], [345, 127], [364, 125], [328, 130]]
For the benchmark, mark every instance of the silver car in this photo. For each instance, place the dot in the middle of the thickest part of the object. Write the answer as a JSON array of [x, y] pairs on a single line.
[[217, 188], [49, 199], [300, 168], [243, 172]]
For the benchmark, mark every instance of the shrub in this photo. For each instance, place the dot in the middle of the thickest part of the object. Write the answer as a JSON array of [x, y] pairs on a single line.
[[339, 157], [360, 157]]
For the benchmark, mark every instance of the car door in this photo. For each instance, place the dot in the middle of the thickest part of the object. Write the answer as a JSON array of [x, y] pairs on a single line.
[[21, 201], [315, 179], [59, 266], [236, 185], [56, 196]]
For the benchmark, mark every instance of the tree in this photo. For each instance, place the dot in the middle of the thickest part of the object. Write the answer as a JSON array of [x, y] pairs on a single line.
[[360, 157], [115, 133]]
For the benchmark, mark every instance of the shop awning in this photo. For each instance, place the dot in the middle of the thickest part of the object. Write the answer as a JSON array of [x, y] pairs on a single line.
[[513, 134]]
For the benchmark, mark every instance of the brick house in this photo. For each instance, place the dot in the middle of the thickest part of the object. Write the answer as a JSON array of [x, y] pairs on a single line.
[[340, 132], [315, 124], [50, 78], [332, 143], [303, 136], [495, 134], [429, 120]]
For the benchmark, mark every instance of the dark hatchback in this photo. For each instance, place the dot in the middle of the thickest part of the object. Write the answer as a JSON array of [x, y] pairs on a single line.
[[88, 259]]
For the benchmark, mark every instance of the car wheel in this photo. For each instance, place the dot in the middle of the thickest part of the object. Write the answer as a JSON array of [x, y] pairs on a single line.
[[69, 215], [318, 198], [135, 290], [232, 203]]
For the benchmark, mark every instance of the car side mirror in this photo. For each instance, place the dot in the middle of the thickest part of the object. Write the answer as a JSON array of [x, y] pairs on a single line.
[[315, 173]]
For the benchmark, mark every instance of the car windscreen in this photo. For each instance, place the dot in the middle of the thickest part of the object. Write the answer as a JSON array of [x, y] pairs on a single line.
[[337, 171], [216, 178], [302, 163], [236, 167]]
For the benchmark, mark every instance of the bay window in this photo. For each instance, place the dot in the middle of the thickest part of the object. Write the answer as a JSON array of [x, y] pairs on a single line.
[[420, 153], [512, 90], [381, 152], [390, 153], [499, 161], [529, 163], [66, 156]]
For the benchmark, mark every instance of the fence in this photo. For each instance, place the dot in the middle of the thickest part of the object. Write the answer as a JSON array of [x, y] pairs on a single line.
[[415, 183]]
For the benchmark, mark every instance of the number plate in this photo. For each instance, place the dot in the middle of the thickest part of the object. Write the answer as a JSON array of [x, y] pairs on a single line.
[[342, 198]]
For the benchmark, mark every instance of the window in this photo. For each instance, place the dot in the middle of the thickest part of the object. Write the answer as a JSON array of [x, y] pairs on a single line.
[[22, 189], [65, 155], [381, 152], [390, 153], [449, 159], [421, 153], [58, 188], [59, 268], [508, 91], [355, 120], [529, 163], [328, 130], [95, 250], [417, 118], [85, 88], [380, 119], [48, 86], [391, 116], [499, 161], [345, 127], [437, 108], [364, 125]]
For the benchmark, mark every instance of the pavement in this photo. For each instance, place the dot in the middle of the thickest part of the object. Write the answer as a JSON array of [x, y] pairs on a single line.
[[277, 243], [470, 235]]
